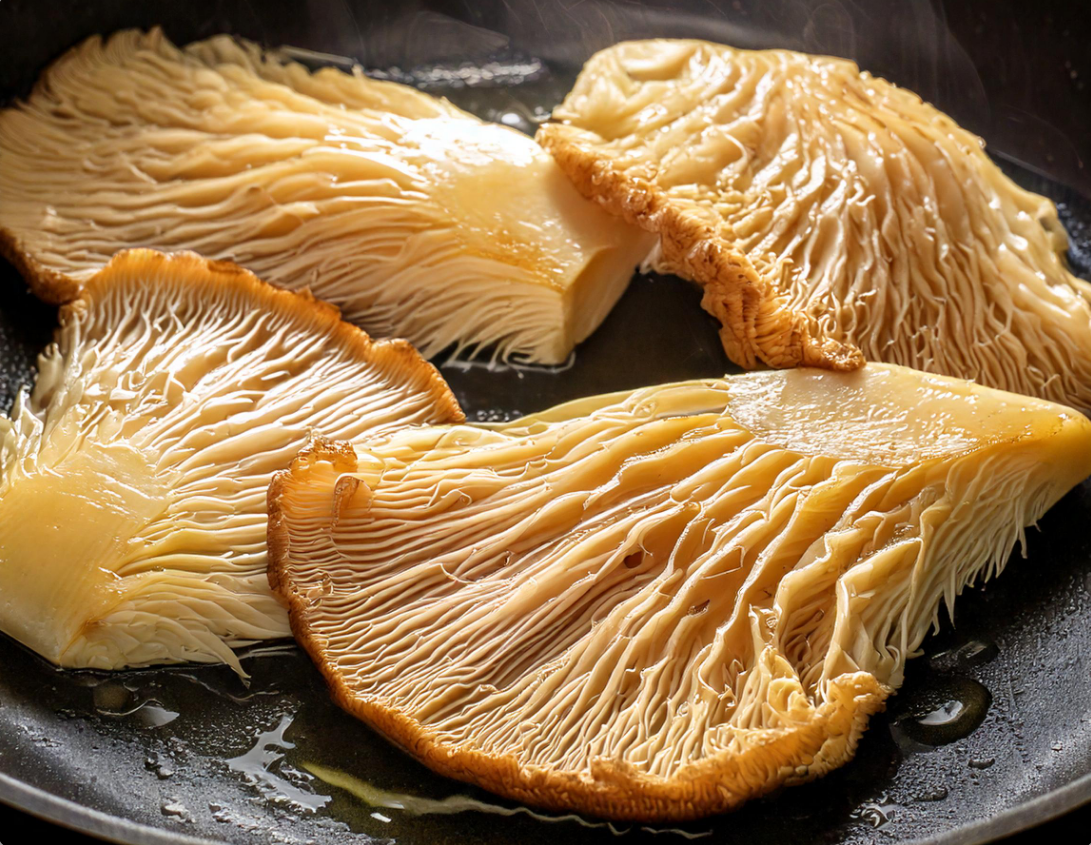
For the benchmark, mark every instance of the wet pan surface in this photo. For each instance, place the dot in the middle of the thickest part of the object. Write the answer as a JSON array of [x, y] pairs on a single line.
[[991, 731]]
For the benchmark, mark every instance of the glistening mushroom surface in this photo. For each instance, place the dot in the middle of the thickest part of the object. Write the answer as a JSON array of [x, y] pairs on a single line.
[[656, 605], [829, 215], [416, 218], [134, 477]]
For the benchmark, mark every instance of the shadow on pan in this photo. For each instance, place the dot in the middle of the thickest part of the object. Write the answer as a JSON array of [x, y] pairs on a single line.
[[992, 730]]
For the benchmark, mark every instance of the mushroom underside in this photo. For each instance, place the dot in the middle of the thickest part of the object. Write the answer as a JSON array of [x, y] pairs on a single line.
[[658, 605]]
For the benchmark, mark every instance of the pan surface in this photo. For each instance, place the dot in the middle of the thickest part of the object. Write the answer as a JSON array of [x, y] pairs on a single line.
[[991, 732]]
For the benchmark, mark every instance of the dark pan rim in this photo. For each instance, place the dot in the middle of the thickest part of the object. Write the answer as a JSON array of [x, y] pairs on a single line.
[[81, 819]]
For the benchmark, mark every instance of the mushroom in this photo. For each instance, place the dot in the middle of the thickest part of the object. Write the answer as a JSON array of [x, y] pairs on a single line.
[[416, 218], [655, 605], [829, 215], [133, 479]]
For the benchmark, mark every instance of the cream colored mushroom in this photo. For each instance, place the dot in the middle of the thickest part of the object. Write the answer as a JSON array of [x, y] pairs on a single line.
[[416, 218], [829, 215], [134, 477], [658, 604]]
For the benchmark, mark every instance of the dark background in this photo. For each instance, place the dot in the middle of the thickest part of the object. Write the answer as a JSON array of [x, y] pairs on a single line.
[[1021, 76]]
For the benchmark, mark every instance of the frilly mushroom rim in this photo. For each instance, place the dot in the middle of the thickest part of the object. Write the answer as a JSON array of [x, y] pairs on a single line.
[[135, 474], [757, 324], [51, 287], [201, 272], [323, 316], [810, 710], [829, 215], [613, 791]]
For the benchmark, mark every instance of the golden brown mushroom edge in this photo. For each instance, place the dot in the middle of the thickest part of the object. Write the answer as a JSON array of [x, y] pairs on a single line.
[[657, 605], [175, 388], [829, 215]]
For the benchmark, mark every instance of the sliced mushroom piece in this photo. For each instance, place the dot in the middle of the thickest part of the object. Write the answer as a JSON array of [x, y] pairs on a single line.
[[414, 217], [655, 605], [829, 215], [134, 477]]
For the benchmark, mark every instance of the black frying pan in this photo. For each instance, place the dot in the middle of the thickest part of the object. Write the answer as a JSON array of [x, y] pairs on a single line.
[[992, 730]]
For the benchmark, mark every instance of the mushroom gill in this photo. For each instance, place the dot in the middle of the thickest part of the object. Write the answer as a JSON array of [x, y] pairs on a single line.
[[829, 215], [134, 476], [655, 605], [417, 219]]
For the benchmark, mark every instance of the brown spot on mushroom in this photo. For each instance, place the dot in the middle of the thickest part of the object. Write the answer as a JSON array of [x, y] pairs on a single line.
[[699, 608]]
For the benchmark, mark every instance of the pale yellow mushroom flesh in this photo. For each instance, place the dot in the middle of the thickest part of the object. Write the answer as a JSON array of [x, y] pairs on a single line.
[[830, 216], [658, 604], [133, 479], [415, 218]]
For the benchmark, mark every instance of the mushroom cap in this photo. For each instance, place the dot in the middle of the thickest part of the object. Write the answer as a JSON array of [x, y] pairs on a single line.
[[417, 219], [655, 605], [133, 480], [829, 215]]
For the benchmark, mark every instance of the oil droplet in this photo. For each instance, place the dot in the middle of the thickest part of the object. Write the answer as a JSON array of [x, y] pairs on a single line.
[[175, 809], [162, 769], [115, 700], [517, 121], [112, 699], [264, 767], [938, 793], [945, 714], [247, 824], [153, 715], [875, 813], [950, 711], [220, 813], [489, 415], [975, 652]]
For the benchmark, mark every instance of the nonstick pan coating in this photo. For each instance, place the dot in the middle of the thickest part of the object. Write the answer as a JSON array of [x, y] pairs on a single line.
[[190, 754]]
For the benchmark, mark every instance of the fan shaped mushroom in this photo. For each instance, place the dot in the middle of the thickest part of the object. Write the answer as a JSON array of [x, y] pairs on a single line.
[[414, 217], [655, 605], [134, 477], [828, 215]]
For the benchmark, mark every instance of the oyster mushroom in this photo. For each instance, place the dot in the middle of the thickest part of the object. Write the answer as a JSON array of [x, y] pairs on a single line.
[[829, 215], [655, 605], [417, 219], [134, 477]]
